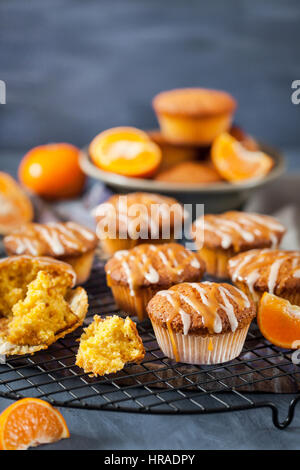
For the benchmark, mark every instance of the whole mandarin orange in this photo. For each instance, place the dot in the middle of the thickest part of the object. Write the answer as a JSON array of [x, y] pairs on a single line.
[[52, 171]]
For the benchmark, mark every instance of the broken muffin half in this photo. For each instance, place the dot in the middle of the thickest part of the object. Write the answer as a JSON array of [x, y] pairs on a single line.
[[37, 303], [108, 344]]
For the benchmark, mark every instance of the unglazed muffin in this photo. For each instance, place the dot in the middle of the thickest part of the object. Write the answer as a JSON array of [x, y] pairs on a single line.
[[137, 274], [201, 323], [220, 237], [194, 115], [273, 271], [66, 241], [37, 303], [124, 221], [190, 173]]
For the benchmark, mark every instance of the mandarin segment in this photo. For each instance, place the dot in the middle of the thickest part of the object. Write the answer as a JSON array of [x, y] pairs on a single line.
[[279, 321], [126, 151], [52, 171], [15, 207], [235, 163], [30, 422]]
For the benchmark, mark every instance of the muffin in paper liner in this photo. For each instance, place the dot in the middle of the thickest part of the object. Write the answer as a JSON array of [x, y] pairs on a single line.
[[136, 275], [194, 116], [219, 237], [65, 241], [201, 323], [127, 220], [273, 271], [192, 349]]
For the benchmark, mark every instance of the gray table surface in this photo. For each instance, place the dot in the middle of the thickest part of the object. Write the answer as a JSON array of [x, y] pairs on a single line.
[[74, 68]]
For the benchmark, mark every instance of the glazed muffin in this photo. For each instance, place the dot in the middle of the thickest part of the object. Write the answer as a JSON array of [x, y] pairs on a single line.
[[173, 154], [194, 115], [66, 241], [107, 344], [37, 303], [220, 237], [137, 274], [201, 323], [273, 271], [125, 221], [190, 173]]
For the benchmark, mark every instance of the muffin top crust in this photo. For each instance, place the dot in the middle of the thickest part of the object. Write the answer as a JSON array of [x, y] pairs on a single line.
[[160, 265], [53, 239], [273, 271], [201, 308], [139, 214], [238, 231], [20, 265], [194, 102]]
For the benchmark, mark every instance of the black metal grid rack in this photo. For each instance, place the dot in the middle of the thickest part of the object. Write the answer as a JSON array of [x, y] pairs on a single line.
[[157, 385]]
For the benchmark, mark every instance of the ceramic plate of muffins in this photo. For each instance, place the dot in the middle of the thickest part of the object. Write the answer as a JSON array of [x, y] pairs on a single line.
[[196, 152]]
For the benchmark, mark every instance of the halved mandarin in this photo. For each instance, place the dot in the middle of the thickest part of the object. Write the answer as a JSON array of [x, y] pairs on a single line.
[[235, 163], [279, 321], [30, 422], [127, 151]]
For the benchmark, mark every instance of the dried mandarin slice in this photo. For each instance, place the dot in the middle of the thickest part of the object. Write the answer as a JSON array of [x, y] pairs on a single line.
[[30, 422], [279, 321], [126, 151], [235, 163]]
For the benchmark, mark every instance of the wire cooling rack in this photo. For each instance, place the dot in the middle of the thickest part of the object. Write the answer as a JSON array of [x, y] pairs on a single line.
[[157, 385]]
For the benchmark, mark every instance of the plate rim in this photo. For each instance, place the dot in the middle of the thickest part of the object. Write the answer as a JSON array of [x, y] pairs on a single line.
[[139, 184]]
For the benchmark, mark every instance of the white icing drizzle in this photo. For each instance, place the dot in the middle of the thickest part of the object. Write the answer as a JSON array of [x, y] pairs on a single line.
[[228, 308], [83, 231], [242, 267], [52, 239], [145, 268], [251, 280], [247, 236], [225, 226], [185, 317], [273, 275], [236, 273], [195, 263], [204, 299], [226, 239], [241, 293]]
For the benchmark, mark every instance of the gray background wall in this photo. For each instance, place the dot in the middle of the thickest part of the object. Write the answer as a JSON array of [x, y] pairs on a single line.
[[74, 67]]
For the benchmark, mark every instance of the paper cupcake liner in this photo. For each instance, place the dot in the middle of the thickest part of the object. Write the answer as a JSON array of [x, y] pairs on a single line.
[[134, 304], [193, 349]]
